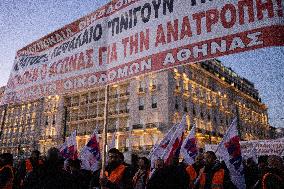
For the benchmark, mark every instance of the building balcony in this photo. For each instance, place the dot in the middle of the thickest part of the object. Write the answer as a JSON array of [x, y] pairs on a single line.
[[75, 104], [123, 129], [101, 99], [138, 126], [93, 100], [124, 111], [111, 129], [113, 112], [114, 96], [141, 90], [124, 94], [153, 88], [91, 116], [177, 89], [100, 114]]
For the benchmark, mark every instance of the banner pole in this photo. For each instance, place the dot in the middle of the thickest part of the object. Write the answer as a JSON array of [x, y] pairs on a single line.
[[105, 129]]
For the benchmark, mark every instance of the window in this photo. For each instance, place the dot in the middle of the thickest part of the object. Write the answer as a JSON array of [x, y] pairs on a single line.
[[176, 103], [53, 120], [177, 85], [185, 86], [141, 103], [153, 84], [154, 101], [46, 120], [141, 86]]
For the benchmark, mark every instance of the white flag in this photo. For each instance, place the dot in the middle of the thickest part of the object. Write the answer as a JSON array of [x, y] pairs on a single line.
[[159, 149], [173, 148], [90, 154], [189, 148], [230, 151], [69, 148]]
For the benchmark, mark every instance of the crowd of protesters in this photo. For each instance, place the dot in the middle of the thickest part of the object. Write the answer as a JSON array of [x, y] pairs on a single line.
[[54, 172]]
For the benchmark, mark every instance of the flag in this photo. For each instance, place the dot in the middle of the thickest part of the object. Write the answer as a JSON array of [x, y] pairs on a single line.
[[69, 148], [173, 148], [90, 154], [230, 151], [189, 148], [72, 146], [63, 149], [159, 149]]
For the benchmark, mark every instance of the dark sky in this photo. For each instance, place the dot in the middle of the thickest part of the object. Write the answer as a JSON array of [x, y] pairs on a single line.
[[24, 21]]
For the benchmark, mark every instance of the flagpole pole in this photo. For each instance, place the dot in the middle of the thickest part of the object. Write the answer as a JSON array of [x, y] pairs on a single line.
[[238, 122], [65, 123], [105, 129]]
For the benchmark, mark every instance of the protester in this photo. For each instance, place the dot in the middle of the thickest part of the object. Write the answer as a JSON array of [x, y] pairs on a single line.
[[262, 170], [50, 175], [81, 177], [156, 177], [213, 175], [274, 177], [141, 177], [251, 173], [193, 170], [134, 163], [6, 171], [117, 174], [28, 166], [171, 176]]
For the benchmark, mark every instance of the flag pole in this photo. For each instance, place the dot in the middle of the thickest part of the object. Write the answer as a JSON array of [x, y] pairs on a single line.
[[238, 122], [105, 129]]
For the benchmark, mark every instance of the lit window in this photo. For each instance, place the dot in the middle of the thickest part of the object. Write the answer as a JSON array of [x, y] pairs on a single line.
[[176, 103], [154, 101], [185, 85], [141, 86], [141, 103]]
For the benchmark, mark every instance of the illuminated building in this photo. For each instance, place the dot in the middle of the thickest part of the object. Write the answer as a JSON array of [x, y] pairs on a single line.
[[142, 109], [20, 128]]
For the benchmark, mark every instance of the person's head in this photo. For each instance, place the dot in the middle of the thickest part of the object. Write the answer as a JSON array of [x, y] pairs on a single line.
[[199, 159], [210, 158], [75, 164], [53, 155], [159, 164], [134, 159], [114, 157], [262, 162], [175, 161], [275, 162], [6, 159], [121, 156], [143, 163], [200, 151], [250, 162], [35, 155]]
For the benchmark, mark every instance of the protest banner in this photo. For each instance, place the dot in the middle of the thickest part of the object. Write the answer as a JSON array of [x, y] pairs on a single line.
[[260, 147], [127, 38]]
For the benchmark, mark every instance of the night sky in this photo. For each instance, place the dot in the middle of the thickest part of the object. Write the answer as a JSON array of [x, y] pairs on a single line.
[[24, 21]]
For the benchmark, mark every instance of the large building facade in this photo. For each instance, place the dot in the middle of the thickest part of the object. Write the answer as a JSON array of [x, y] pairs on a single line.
[[141, 110]]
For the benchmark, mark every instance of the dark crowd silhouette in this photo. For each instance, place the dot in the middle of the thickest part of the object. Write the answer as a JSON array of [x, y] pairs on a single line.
[[207, 172]]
